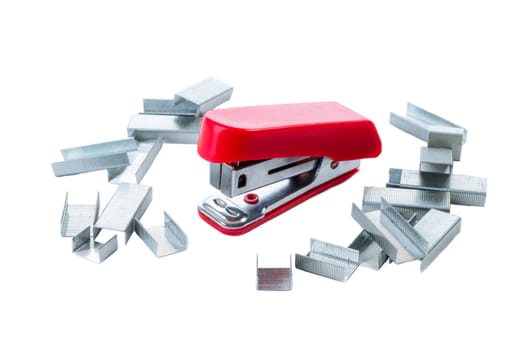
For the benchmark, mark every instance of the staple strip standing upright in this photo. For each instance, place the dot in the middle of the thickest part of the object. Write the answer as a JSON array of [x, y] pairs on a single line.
[[275, 278], [76, 217]]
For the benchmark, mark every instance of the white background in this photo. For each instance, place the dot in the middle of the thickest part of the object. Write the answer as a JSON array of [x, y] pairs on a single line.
[[71, 74]]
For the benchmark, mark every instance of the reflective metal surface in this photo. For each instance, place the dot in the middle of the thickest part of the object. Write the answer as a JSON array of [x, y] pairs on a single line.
[[99, 149], [130, 201], [403, 242], [85, 246], [76, 217], [329, 260], [235, 179], [436, 160], [371, 254], [275, 278], [140, 162], [195, 100], [439, 229], [437, 131], [86, 165], [171, 128], [402, 230], [445, 137], [394, 248], [234, 213], [100, 156], [406, 201], [163, 240], [464, 189]]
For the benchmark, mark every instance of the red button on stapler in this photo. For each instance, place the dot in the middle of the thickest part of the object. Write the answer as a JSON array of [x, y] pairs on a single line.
[[267, 159]]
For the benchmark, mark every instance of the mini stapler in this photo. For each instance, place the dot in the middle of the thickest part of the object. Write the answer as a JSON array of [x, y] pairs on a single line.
[[267, 159]]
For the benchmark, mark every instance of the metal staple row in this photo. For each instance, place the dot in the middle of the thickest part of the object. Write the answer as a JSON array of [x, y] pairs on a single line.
[[409, 219], [126, 162]]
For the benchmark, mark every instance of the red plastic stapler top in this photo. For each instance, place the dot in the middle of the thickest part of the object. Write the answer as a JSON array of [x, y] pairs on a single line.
[[267, 159], [289, 130]]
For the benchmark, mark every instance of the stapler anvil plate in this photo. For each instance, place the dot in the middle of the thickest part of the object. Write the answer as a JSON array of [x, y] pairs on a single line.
[[267, 159]]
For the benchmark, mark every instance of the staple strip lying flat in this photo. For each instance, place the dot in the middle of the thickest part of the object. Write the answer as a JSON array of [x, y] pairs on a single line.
[[406, 201], [86, 165], [99, 149], [463, 189], [94, 157], [195, 100], [171, 128]]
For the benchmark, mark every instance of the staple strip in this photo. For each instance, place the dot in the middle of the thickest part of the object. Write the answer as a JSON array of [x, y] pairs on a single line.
[[464, 189]]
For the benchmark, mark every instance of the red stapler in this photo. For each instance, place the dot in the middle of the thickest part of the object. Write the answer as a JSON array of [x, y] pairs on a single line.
[[267, 159]]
